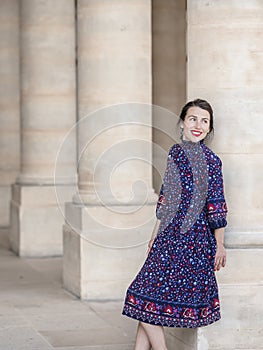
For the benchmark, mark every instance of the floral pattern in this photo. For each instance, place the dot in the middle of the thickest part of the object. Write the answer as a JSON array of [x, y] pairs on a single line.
[[176, 286]]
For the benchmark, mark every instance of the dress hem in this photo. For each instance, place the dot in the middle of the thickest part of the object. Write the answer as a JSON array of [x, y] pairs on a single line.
[[164, 321]]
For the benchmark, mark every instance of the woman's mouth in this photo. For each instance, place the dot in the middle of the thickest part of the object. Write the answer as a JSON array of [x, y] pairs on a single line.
[[196, 133]]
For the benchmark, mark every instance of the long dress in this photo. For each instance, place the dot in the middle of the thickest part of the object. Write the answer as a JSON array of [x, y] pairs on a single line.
[[176, 286]]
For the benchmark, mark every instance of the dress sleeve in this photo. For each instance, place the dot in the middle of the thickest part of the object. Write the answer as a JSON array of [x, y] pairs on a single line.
[[160, 204], [216, 204], [168, 196], [160, 207]]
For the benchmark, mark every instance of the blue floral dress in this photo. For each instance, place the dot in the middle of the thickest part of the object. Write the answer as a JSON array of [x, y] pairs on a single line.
[[176, 286]]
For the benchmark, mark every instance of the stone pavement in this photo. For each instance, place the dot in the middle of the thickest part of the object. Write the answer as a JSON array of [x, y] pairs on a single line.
[[36, 313]]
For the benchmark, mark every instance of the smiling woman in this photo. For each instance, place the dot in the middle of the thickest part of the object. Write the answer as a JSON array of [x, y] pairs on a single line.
[[196, 120], [176, 286]]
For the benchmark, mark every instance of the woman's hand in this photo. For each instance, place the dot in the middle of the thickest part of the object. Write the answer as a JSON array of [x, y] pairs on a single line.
[[155, 231], [220, 258], [150, 245]]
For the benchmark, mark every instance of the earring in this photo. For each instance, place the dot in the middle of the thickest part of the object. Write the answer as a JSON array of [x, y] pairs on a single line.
[[208, 136], [181, 134]]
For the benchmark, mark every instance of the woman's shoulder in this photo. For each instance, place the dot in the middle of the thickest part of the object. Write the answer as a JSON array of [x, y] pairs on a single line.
[[211, 155], [174, 150], [175, 147]]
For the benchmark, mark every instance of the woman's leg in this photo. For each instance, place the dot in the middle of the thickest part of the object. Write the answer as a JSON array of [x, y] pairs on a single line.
[[155, 336], [142, 342]]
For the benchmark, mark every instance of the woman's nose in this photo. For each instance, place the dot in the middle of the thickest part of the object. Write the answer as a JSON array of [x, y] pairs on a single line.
[[197, 124]]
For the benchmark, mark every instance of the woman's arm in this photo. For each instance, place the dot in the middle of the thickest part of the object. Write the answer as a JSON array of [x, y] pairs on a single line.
[[155, 231], [220, 258]]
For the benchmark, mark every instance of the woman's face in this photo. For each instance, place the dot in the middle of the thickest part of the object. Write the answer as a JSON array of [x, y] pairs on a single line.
[[196, 124]]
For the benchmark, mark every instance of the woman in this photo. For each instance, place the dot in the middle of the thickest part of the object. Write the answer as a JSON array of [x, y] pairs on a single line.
[[176, 286]]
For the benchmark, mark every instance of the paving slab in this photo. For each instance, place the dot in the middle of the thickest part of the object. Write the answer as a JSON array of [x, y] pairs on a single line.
[[102, 336], [22, 338]]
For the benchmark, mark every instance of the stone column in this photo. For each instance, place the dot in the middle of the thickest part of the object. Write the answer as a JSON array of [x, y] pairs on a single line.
[[47, 44], [169, 70], [225, 47], [112, 216], [9, 103]]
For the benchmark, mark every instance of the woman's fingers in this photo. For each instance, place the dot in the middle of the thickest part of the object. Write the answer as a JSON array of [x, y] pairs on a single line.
[[220, 261], [150, 245], [224, 261], [220, 257]]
